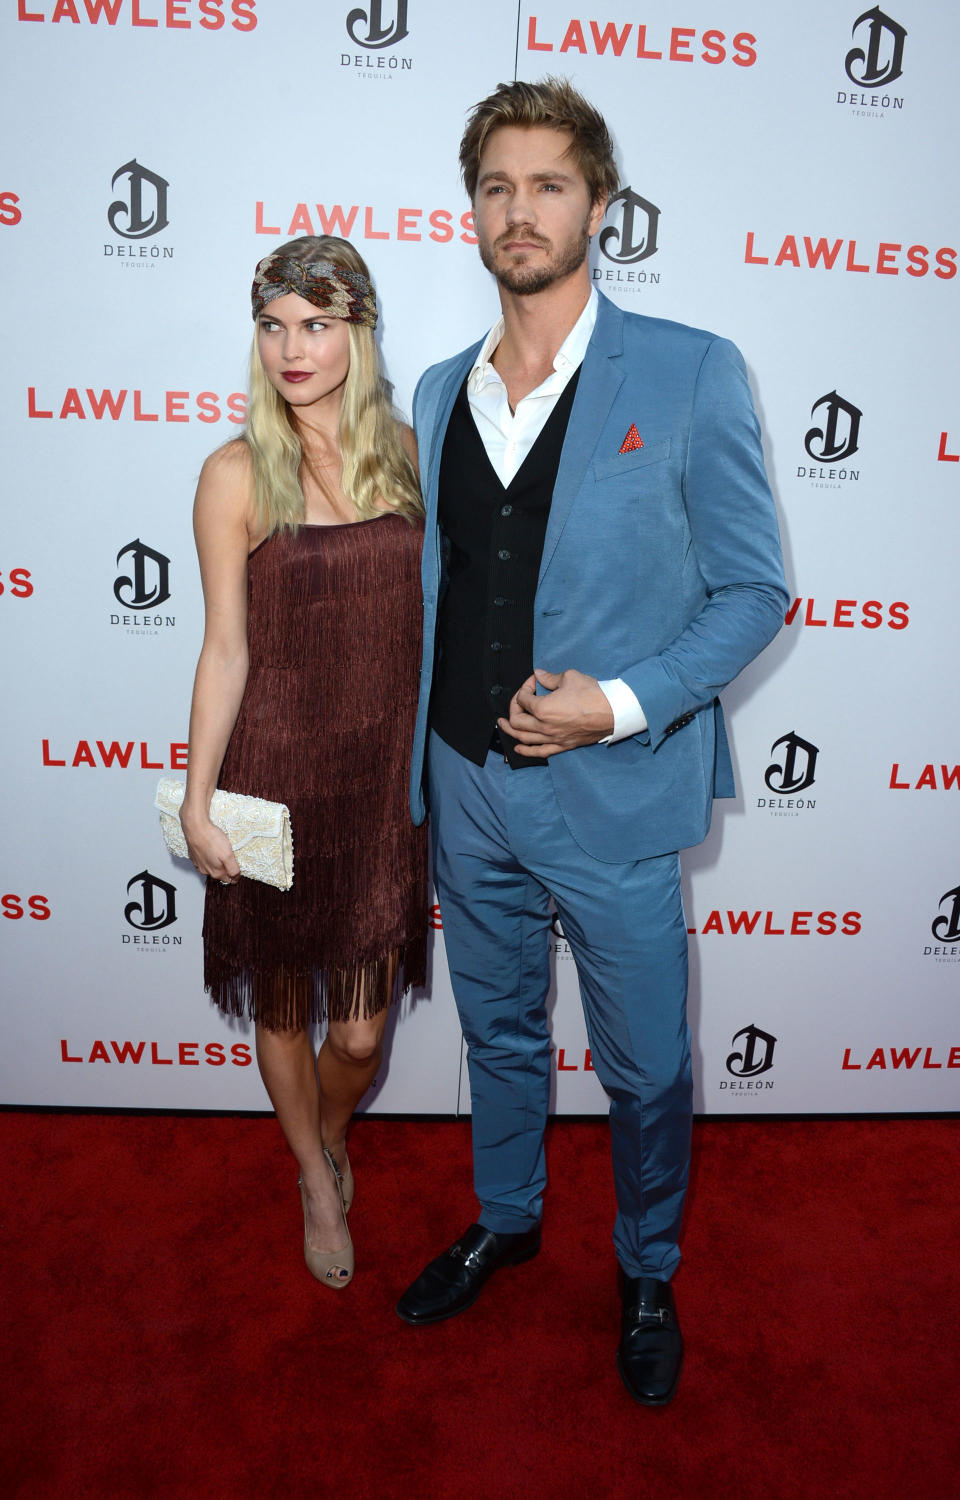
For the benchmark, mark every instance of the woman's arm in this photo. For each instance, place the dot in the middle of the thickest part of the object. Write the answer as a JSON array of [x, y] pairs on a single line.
[[221, 527]]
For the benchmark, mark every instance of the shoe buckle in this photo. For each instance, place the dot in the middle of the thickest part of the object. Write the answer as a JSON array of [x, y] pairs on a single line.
[[662, 1314]]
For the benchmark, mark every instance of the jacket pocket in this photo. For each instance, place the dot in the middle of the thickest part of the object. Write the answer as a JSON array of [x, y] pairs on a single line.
[[625, 463]]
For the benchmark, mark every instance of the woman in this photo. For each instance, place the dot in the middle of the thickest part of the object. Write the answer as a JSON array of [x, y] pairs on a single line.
[[309, 533]]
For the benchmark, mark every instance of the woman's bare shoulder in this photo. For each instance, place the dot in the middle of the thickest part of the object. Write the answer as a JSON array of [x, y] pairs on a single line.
[[409, 441], [228, 463], [225, 488]]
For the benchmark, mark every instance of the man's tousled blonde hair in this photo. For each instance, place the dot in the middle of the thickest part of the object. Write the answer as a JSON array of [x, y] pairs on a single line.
[[553, 102]]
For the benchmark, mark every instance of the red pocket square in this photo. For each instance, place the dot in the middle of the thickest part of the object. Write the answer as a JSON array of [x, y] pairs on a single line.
[[632, 441]]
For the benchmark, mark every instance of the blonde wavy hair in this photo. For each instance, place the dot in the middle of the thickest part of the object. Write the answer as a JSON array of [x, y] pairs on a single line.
[[375, 465]]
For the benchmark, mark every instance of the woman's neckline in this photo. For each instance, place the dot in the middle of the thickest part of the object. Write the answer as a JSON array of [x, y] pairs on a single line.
[[325, 526], [337, 525]]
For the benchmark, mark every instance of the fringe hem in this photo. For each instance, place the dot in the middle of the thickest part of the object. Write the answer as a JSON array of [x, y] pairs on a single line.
[[291, 1000]]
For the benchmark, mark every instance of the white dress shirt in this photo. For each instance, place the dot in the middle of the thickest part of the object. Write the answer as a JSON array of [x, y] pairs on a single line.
[[508, 436]]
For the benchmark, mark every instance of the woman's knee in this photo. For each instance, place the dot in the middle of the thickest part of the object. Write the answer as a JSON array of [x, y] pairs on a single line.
[[356, 1042]]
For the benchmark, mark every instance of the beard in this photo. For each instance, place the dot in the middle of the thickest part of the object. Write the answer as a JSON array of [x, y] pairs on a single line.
[[524, 280]]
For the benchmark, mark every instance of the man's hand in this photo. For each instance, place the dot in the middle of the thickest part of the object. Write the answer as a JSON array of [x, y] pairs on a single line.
[[573, 712]]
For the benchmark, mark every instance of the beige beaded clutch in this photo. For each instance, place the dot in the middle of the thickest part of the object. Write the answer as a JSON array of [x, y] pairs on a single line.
[[259, 831]]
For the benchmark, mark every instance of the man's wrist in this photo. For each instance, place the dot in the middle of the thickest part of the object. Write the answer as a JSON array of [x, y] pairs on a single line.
[[628, 717]]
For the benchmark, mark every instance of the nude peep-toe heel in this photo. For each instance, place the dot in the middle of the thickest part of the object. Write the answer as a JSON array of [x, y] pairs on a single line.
[[329, 1266], [346, 1177], [346, 1184]]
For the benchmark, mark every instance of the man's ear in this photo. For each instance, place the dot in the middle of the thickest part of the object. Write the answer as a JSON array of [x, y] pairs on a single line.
[[597, 212]]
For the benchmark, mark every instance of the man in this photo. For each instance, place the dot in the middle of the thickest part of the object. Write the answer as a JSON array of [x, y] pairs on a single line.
[[597, 510]]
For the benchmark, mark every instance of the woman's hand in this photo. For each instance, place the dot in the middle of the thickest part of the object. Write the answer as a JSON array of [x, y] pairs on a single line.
[[209, 848]]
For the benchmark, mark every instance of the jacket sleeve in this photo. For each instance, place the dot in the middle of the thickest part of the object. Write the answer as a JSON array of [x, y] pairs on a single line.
[[735, 543]]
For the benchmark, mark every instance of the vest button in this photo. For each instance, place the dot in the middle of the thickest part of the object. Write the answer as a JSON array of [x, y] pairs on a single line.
[[495, 646], [499, 600], [506, 510], [503, 555], [496, 690]]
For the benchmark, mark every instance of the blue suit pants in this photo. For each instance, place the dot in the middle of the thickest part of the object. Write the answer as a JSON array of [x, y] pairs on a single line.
[[501, 851]]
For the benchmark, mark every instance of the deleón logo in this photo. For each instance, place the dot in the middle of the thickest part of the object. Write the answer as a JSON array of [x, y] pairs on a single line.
[[157, 904], [799, 764], [144, 210], [629, 237], [874, 64], [634, 237], [946, 929], [832, 442], [150, 583], [378, 35], [791, 773], [757, 1054], [144, 587], [947, 926], [837, 438], [880, 60], [559, 940], [137, 216], [376, 30], [754, 1058]]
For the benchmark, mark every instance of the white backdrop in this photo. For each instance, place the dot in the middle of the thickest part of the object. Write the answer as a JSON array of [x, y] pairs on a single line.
[[788, 181]]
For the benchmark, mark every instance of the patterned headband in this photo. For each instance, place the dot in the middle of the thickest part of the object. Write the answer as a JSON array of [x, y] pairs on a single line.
[[340, 293]]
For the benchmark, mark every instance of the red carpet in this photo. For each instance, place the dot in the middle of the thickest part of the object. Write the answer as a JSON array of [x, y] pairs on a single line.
[[164, 1338]]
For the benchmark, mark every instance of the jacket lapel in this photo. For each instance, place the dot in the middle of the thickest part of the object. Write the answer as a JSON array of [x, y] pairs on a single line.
[[433, 431], [600, 379], [446, 396]]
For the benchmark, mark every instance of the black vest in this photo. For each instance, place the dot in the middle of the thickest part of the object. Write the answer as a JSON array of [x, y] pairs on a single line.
[[492, 541]]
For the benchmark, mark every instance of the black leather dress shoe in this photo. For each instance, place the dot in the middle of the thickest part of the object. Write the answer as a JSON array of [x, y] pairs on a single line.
[[454, 1281], [651, 1347]]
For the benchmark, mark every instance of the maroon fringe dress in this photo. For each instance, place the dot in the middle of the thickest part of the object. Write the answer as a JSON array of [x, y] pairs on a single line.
[[334, 628]]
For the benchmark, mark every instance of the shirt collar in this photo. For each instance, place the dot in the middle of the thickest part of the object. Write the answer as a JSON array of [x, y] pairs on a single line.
[[568, 356]]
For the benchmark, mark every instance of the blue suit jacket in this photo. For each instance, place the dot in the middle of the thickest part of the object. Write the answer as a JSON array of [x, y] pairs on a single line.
[[660, 565]]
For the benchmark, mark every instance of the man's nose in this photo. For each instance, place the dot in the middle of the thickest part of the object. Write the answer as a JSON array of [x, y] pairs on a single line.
[[520, 209]]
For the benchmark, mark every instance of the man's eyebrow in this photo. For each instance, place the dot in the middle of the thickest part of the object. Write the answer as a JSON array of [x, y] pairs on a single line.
[[549, 175]]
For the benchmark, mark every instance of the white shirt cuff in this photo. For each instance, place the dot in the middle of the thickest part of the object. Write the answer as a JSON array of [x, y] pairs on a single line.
[[628, 717]]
